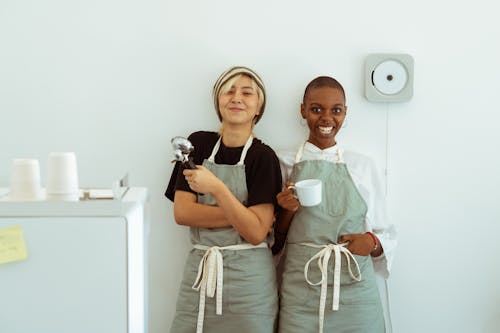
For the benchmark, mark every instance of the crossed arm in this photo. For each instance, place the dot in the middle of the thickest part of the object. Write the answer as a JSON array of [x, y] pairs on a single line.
[[252, 223]]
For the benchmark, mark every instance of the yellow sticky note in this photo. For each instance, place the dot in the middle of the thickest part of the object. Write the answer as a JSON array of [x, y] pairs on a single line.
[[12, 245]]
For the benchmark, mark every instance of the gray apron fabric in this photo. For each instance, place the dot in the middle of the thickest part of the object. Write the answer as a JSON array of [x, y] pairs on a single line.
[[249, 293], [341, 211]]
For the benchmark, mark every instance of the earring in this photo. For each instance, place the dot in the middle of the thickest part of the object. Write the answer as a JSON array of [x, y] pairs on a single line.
[[345, 123], [303, 122]]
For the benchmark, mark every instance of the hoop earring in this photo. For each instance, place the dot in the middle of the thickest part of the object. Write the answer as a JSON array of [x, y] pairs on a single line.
[[303, 122], [345, 123]]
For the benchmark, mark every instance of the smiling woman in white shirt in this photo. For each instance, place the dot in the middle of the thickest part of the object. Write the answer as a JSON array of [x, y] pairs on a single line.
[[336, 248]]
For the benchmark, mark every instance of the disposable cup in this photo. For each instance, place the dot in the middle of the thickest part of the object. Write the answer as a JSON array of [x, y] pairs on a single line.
[[62, 177], [25, 180]]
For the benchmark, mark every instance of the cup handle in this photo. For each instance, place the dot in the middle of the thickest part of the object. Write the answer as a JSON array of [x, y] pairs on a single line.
[[294, 189]]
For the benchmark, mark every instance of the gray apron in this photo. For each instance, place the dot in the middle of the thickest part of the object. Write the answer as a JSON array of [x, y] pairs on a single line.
[[228, 284], [324, 286]]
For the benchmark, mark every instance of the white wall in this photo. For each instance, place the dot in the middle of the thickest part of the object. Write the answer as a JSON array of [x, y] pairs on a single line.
[[115, 80]]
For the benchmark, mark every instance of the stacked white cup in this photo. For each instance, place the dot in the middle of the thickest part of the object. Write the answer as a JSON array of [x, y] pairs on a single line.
[[62, 177], [25, 180]]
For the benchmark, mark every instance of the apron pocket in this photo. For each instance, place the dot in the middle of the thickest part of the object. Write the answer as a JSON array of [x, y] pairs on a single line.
[[295, 291], [362, 292], [251, 286], [345, 277], [335, 196]]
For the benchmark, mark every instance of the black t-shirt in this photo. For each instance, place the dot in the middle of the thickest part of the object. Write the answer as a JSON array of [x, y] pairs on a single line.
[[262, 167]]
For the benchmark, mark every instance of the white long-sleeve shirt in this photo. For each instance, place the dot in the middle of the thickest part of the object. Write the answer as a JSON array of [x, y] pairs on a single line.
[[366, 178]]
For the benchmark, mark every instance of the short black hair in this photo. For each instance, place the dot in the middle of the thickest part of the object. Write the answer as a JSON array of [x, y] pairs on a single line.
[[323, 81]]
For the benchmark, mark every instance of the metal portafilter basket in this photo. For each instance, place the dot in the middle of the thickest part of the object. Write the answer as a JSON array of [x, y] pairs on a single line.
[[182, 148]]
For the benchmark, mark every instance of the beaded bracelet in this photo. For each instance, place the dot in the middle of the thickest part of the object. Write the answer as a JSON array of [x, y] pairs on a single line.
[[375, 240]]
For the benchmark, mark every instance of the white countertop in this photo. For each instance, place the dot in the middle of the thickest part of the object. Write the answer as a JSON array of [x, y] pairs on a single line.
[[100, 207]]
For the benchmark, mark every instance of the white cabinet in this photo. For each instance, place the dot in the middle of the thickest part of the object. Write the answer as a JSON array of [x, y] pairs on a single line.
[[85, 270]]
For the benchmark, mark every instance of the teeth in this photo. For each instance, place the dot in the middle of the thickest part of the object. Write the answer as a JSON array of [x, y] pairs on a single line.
[[325, 130]]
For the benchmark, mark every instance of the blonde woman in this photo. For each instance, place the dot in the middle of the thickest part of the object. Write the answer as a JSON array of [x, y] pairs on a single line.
[[229, 281]]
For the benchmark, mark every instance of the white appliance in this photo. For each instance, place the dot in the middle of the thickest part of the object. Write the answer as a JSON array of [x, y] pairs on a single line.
[[86, 269]]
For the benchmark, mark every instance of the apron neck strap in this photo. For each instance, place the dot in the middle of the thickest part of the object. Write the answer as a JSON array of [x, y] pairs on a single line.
[[300, 152], [243, 153], [340, 155]]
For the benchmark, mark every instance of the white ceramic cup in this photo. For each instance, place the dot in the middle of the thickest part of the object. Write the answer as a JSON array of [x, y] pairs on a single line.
[[308, 192], [25, 180], [62, 177]]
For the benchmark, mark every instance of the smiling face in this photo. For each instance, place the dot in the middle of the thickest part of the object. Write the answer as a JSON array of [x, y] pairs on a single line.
[[324, 109], [239, 102]]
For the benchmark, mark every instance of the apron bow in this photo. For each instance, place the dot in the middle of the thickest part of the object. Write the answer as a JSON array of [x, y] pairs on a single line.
[[323, 257]]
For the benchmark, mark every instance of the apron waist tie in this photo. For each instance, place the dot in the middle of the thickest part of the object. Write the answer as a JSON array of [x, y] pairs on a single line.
[[323, 256], [209, 280]]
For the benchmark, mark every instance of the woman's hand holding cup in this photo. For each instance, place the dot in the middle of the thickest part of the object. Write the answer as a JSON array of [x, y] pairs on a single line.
[[287, 199]]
